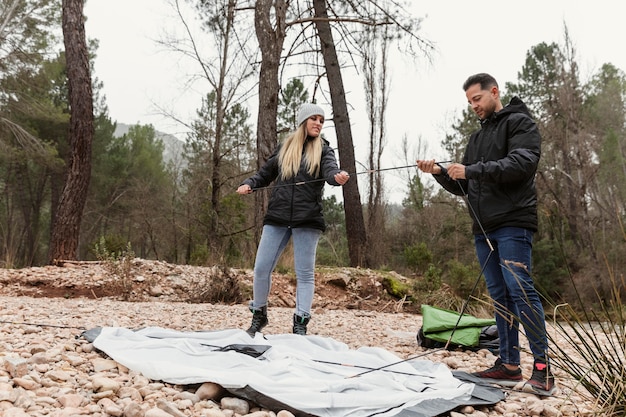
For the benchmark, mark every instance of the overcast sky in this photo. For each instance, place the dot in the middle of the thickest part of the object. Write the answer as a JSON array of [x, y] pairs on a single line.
[[488, 36]]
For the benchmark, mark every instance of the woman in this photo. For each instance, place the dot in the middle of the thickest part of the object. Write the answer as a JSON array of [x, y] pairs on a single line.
[[299, 167]]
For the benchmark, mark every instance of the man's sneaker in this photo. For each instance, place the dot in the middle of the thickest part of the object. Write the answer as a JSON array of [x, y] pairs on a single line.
[[259, 320], [541, 382], [500, 375]]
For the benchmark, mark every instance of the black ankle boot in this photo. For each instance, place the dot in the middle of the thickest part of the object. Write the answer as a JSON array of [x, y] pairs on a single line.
[[259, 320], [299, 324]]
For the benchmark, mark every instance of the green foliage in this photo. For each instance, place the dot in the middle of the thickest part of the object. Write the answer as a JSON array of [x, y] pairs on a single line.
[[27, 33], [462, 278], [110, 247], [331, 252], [611, 162], [131, 188], [415, 195], [200, 255], [418, 256], [238, 210], [33, 128], [549, 269], [284, 268], [455, 142], [539, 78], [233, 150], [117, 260], [291, 98], [443, 222], [333, 245], [605, 102], [431, 280], [217, 216]]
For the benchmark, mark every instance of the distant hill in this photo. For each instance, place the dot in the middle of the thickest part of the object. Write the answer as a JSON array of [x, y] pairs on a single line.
[[172, 146]]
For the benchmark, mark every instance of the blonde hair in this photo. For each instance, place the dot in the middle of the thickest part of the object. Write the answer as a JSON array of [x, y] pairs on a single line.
[[290, 155]]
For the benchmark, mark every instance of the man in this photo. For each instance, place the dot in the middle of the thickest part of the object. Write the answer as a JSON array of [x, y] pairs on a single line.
[[497, 175]]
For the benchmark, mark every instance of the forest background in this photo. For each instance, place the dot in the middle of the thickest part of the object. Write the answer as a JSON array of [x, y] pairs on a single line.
[[145, 195]]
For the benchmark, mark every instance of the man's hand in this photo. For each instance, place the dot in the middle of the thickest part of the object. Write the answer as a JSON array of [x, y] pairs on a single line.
[[456, 171]]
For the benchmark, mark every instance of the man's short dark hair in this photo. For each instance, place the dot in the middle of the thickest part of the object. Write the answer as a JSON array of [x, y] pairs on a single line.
[[485, 80]]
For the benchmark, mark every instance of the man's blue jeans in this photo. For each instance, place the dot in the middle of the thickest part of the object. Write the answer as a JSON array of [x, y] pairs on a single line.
[[274, 239], [511, 287]]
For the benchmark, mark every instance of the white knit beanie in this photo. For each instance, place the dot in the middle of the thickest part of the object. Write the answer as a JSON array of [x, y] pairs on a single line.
[[307, 110]]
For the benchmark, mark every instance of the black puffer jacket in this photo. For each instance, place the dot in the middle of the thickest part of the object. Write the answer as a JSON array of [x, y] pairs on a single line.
[[296, 202], [501, 161]]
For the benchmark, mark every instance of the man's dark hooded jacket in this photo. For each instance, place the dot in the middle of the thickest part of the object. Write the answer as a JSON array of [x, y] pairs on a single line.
[[500, 161], [297, 201]]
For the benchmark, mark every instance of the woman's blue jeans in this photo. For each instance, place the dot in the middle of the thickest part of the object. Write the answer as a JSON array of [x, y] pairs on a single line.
[[274, 239], [510, 285]]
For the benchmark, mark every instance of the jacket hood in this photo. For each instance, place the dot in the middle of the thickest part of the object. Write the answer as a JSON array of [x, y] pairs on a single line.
[[516, 105]]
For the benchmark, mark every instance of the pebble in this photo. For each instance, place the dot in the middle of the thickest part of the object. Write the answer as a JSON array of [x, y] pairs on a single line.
[[238, 405], [157, 412], [53, 372], [132, 409], [213, 412], [103, 384], [210, 391]]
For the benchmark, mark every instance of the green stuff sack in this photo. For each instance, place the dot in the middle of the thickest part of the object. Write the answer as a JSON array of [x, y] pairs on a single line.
[[438, 325]]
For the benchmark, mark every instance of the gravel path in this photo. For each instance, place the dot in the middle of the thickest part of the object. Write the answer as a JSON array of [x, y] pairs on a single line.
[[45, 370]]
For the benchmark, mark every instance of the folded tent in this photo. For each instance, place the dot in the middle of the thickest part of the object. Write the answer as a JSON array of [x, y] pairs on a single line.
[[439, 324]]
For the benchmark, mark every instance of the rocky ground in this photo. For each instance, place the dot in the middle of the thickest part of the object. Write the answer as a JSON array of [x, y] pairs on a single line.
[[47, 369]]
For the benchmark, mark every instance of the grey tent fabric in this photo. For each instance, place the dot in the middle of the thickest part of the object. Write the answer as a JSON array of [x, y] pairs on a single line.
[[309, 376]]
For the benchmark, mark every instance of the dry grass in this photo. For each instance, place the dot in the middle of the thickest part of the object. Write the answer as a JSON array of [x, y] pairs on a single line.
[[598, 338]]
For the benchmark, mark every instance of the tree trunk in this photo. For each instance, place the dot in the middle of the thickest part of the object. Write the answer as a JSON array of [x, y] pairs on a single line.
[[220, 112], [355, 224], [374, 56], [271, 41], [66, 223]]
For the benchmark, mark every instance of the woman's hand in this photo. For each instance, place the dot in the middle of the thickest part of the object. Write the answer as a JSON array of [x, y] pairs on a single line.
[[244, 189], [342, 177]]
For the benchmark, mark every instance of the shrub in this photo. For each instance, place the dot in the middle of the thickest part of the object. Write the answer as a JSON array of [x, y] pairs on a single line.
[[199, 255], [222, 285], [464, 279], [430, 281], [118, 263], [110, 247], [549, 269], [418, 256]]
